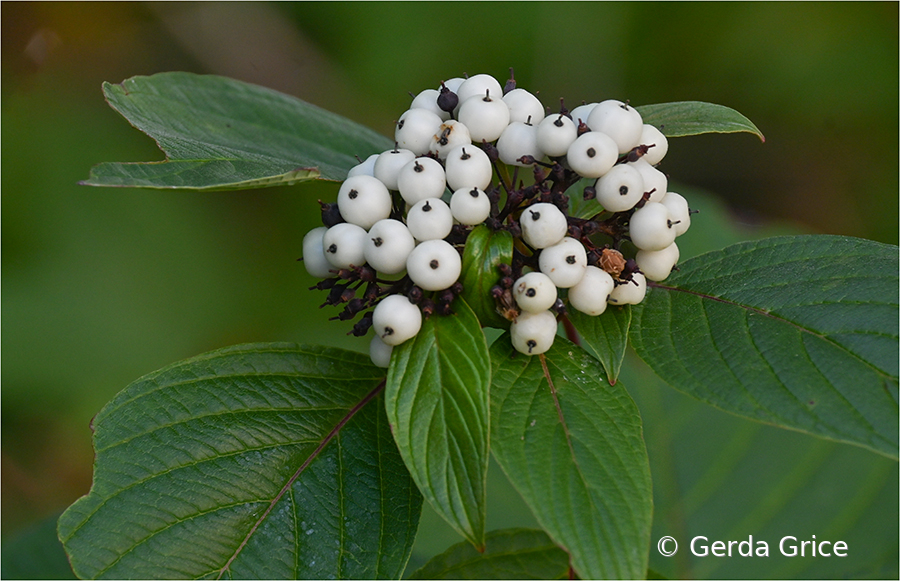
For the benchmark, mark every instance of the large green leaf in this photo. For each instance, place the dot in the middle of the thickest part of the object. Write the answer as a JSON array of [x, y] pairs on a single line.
[[222, 134], [798, 331], [508, 554], [437, 403], [571, 444], [485, 250], [725, 477], [606, 336], [266, 461], [684, 118]]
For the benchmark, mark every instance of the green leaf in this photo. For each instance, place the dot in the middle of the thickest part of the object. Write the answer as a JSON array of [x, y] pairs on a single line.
[[695, 118], [265, 461], [797, 331], [509, 554], [726, 477], [35, 553], [485, 250], [572, 447], [222, 134], [437, 403], [606, 336]]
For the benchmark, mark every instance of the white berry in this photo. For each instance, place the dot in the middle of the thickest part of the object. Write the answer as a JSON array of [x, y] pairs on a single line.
[[655, 181], [592, 154], [430, 219], [468, 166], [478, 86], [581, 113], [421, 178], [620, 188], [651, 227], [380, 352], [679, 212], [388, 245], [415, 130], [427, 100], [629, 292], [470, 206], [366, 167], [345, 245], [516, 141], [486, 116], [434, 265], [555, 134], [618, 120], [364, 200], [534, 292], [395, 319], [314, 258], [650, 135], [543, 225], [657, 264], [591, 293], [564, 262], [533, 333], [450, 135], [389, 164], [524, 107]]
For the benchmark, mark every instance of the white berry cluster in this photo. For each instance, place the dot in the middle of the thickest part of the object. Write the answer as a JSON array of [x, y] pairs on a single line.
[[400, 223]]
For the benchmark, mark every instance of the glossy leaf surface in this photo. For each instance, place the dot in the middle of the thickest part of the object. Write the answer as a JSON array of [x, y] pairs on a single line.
[[797, 331], [220, 134], [509, 554], [684, 118], [605, 336], [265, 461], [437, 403], [572, 446], [485, 250]]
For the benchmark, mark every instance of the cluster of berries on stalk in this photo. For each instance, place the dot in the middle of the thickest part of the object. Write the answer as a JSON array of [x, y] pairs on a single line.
[[390, 248]]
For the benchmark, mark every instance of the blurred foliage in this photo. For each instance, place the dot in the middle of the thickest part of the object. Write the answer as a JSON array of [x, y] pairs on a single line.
[[104, 285]]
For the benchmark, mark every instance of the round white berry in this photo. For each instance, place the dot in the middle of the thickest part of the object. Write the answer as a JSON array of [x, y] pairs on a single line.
[[486, 116], [543, 225], [564, 262], [380, 352], [555, 134], [534, 292], [651, 227], [314, 259], [516, 141], [434, 265], [650, 135], [478, 86], [388, 245], [366, 167], [415, 130], [450, 135], [395, 319], [620, 188], [655, 181], [388, 165], [427, 100], [345, 245], [592, 154], [421, 178], [454, 84], [468, 166], [430, 219], [581, 113], [470, 206], [629, 292], [524, 107], [618, 120], [364, 200], [591, 293], [657, 264], [533, 333], [679, 212]]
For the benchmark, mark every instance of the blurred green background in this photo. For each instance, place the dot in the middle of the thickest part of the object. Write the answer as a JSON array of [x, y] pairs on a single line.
[[103, 285]]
